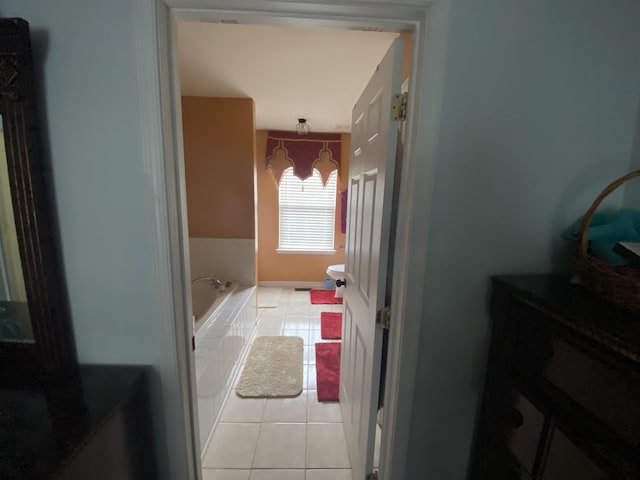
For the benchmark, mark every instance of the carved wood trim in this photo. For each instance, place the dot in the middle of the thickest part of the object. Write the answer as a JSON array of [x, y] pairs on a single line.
[[54, 349]]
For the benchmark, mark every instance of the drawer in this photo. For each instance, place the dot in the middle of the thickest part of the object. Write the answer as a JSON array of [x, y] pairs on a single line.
[[603, 390], [498, 463], [609, 393], [522, 429], [565, 461]]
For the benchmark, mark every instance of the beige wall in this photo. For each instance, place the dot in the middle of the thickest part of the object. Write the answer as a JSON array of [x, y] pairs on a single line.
[[219, 144], [273, 266]]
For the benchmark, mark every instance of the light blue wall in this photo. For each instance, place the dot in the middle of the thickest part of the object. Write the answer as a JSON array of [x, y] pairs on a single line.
[[84, 55], [540, 107], [539, 113], [92, 126]]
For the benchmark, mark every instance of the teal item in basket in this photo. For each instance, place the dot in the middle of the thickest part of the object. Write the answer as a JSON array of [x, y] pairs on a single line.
[[607, 229]]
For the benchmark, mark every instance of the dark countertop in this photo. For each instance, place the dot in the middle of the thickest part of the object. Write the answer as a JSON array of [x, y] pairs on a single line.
[[42, 427], [579, 310]]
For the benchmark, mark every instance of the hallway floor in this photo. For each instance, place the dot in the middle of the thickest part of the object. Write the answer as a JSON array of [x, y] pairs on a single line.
[[283, 438]]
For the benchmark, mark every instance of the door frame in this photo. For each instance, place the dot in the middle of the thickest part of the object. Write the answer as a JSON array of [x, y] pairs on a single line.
[[163, 156]]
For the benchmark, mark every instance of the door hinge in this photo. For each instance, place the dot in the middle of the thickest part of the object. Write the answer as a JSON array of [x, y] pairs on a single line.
[[383, 317], [399, 106], [372, 476]]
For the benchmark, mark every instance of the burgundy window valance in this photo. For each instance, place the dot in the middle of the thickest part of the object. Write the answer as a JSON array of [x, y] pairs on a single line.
[[304, 153]]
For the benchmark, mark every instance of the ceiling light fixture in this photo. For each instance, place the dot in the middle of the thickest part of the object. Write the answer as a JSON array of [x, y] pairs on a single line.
[[302, 127]]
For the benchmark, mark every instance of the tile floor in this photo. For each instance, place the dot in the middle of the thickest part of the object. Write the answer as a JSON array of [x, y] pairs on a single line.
[[281, 439]]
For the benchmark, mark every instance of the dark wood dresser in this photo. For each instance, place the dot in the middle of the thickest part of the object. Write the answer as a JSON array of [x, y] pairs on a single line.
[[562, 391], [93, 425]]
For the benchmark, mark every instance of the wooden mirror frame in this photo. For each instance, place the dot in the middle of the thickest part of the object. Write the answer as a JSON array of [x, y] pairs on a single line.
[[54, 348]]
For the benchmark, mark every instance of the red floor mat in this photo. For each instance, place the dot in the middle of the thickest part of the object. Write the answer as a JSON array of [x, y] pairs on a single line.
[[331, 325], [324, 297], [328, 371]]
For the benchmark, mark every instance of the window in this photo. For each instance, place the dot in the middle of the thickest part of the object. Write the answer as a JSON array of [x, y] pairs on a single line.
[[307, 213]]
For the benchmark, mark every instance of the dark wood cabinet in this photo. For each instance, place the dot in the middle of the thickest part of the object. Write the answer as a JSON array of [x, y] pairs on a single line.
[[566, 461], [93, 425], [562, 391]]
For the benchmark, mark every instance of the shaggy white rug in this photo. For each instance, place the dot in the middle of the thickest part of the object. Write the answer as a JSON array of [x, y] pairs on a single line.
[[273, 368]]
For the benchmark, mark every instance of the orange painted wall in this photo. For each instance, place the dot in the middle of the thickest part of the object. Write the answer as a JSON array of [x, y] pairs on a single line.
[[219, 145], [407, 54], [273, 266]]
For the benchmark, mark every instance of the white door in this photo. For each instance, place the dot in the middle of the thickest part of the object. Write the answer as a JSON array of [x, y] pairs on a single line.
[[373, 152]]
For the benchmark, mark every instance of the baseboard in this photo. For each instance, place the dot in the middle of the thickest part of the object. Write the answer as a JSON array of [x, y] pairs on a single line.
[[291, 284]]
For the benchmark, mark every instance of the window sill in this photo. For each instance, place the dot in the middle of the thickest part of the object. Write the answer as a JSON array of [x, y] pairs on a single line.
[[305, 252]]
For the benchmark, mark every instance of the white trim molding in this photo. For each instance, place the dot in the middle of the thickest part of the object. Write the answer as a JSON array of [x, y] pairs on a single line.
[[285, 251], [173, 381], [166, 185], [293, 284], [412, 235]]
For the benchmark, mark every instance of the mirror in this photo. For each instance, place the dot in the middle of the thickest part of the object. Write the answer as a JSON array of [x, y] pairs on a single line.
[[35, 329], [15, 325]]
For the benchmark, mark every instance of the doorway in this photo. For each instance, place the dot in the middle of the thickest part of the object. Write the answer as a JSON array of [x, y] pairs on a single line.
[[286, 71], [391, 419]]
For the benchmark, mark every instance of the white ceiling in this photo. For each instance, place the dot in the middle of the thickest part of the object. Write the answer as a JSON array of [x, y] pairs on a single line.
[[290, 72]]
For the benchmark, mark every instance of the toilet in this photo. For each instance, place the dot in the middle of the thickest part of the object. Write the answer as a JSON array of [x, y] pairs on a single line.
[[336, 272]]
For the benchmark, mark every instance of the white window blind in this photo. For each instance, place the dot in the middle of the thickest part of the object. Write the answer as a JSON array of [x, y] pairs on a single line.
[[307, 212]]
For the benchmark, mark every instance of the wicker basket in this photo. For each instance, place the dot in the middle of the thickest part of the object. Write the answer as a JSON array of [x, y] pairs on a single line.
[[618, 284]]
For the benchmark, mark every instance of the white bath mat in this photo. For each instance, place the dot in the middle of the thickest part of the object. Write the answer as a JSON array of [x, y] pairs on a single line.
[[269, 297], [273, 368]]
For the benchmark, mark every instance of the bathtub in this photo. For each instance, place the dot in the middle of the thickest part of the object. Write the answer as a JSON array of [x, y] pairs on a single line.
[[224, 323], [206, 299]]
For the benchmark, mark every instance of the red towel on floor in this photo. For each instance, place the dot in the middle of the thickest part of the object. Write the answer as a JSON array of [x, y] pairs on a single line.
[[331, 325], [324, 297], [328, 371]]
